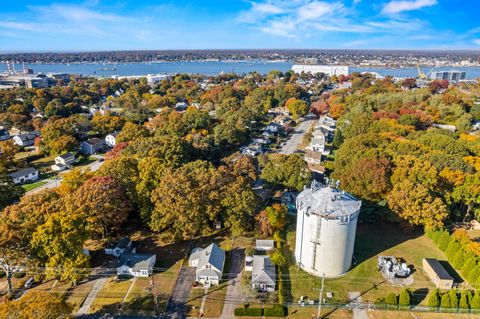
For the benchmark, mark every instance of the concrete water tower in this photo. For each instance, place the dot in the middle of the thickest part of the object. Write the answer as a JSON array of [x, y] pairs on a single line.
[[326, 227]]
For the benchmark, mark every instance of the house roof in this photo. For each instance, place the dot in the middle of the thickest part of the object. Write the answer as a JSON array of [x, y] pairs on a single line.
[[136, 261], [263, 270], [264, 243], [23, 172], [94, 141], [438, 269], [122, 243], [317, 168], [317, 141], [26, 137], [66, 155], [314, 155], [212, 255]]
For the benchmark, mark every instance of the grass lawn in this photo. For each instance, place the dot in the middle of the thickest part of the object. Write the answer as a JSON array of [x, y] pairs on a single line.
[[76, 295], [418, 315], [111, 295], [29, 187], [382, 238], [213, 303]]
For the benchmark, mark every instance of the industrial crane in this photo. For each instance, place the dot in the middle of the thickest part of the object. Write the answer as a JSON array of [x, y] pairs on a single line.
[[421, 74]]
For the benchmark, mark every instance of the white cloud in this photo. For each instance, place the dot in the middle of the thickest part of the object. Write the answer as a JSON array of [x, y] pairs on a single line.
[[476, 41], [317, 9], [397, 6]]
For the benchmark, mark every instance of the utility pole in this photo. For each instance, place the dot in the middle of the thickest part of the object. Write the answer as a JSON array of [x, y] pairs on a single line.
[[320, 297], [154, 293]]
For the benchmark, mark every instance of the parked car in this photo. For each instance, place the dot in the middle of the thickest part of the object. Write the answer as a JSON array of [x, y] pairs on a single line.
[[29, 283]]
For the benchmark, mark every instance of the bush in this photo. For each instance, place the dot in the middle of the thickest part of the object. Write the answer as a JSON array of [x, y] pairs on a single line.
[[445, 301], [404, 298], [19, 275], [475, 303], [276, 311], [434, 299], [391, 299], [465, 297], [251, 312], [443, 240], [453, 298]]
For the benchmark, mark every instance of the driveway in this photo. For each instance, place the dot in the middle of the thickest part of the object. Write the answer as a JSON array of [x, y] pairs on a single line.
[[234, 295], [176, 306], [295, 139], [97, 287]]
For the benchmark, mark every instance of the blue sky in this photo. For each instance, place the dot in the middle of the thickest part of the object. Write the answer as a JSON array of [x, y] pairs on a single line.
[[230, 24]]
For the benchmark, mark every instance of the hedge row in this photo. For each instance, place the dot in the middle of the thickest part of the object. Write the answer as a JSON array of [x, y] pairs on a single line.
[[275, 311], [251, 312]]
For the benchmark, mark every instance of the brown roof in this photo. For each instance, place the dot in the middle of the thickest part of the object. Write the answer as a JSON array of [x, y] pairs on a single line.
[[317, 168], [314, 155]]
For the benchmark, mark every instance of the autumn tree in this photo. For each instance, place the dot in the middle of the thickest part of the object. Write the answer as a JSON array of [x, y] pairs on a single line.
[[103, 203], [286, 171], [468, 193], [36, 304], [72, 180], [8, 149], [106, 124], [59, 242], [131, 132], [297, 107], [271, 219]]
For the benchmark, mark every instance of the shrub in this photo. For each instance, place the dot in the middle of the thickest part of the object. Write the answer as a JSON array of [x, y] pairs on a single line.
[[445, 301], [458, 259], [453, 298], [452, 249], [251, 312], [434, 299], [276, 311], [443, 240], [465, 297], [19, 275], [391, 299], [473, 274], [436, 236], [475, 303], [404, 298]]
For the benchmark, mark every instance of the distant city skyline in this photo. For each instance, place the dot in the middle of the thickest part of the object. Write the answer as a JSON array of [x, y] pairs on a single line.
[[37, 26]]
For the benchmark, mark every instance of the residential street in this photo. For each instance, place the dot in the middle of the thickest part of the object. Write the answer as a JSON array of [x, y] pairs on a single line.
[[295, 139], [53, 183], [176, 306], [234, 295]]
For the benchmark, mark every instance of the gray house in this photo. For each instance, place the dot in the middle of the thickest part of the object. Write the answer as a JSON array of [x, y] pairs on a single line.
[[25, 175], [92, 146], [263, 274], [120, 247], [24, 139], [136, 265], [209, 263]]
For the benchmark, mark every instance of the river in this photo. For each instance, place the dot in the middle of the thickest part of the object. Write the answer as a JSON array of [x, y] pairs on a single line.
[[209, 68]]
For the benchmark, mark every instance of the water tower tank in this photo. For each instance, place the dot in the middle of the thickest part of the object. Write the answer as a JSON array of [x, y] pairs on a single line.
[[326, 227]]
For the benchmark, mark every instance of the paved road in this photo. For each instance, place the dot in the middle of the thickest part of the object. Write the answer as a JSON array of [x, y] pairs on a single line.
[[295, 139], [53, 183], [85, 308], [234, 295], [176, 307]]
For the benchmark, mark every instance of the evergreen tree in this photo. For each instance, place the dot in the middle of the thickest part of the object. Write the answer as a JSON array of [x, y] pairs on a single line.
[[464, 300], [473, 275], [436, 235], [468, 266], [475, 302], [453, 298], [458, 259], [443, 240], [434, 299], [404, 298], [452, 249], [391, 299], [445, 301]]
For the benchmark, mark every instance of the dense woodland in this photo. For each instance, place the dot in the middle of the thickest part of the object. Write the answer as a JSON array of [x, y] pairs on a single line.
[[179, 173]]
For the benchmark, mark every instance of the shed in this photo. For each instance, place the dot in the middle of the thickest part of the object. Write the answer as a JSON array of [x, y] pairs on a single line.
[[437, 273], [264, 244]]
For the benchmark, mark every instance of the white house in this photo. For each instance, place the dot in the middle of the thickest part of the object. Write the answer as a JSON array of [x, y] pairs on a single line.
[[110, 140], [316, 145], [92, 146], [24, 139], [25, 175], [120, 247], [181, 106], [136, 265], [263, 274], [209, 263], [63, 161], [252, 150]]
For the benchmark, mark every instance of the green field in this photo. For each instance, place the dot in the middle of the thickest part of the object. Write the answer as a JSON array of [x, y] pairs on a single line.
[[29, 187]]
